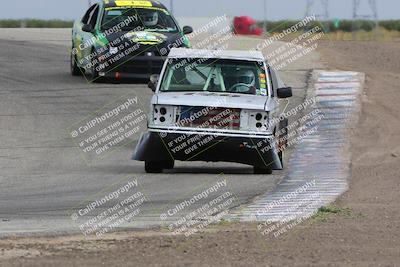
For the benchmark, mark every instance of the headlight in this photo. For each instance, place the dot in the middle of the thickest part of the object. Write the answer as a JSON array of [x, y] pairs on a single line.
[[254, 120], [164, 115], [113, 50]]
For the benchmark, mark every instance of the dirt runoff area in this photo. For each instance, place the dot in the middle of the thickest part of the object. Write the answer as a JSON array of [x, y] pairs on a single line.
[[362, 229]]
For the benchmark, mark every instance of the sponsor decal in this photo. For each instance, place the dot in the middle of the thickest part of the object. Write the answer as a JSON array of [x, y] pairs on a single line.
[[263, 91], [143, 37]]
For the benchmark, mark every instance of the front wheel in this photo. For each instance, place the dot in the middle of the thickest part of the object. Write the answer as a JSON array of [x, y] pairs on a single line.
[[262, 170], [158, 166], [75, 70], [280, 155], [94, 75], [169, 164], [153, 167], [282, 138]]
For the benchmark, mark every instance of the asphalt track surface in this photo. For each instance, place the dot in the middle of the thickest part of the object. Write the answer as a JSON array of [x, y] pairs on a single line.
[[43, 177]]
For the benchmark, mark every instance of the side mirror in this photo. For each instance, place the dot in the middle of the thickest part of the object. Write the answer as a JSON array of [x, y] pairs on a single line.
[[284, 92], [153, 82], [87, 28], [187, 30]]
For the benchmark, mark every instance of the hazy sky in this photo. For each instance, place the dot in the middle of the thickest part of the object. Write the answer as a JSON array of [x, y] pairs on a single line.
[[277, 9]]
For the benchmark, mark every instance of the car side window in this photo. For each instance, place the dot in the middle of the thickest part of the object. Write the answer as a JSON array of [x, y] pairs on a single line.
[[86, 17], [93, 17]]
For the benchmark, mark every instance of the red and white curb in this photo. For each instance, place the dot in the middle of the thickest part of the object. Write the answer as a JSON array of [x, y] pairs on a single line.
[[319, 168]]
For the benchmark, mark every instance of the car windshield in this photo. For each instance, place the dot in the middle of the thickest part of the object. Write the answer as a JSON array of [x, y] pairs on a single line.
[[139, 18], [215, 75]]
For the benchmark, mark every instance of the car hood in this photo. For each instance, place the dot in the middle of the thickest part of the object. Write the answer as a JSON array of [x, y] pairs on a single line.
[[205, 99], [157, 41]]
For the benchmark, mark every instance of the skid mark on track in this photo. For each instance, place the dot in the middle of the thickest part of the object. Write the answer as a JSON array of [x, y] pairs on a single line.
[[319, 169]]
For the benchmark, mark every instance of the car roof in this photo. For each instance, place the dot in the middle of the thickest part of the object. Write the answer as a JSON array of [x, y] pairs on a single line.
[[252, 55], [133, 3]]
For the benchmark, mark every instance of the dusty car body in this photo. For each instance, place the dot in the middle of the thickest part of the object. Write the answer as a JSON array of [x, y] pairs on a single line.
[[214, 106], [124, 39]]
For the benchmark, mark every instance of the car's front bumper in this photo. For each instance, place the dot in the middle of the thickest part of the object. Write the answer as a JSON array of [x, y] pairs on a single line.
[[191, 146], [135, 67]]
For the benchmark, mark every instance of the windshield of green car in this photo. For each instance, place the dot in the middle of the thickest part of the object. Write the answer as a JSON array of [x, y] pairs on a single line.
[[215, 75], [146, 19]]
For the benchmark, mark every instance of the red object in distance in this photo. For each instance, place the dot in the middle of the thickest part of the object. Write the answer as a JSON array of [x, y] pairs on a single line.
[[246, 25]]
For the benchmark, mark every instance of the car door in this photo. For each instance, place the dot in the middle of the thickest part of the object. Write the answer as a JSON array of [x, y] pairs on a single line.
[[279, 104]]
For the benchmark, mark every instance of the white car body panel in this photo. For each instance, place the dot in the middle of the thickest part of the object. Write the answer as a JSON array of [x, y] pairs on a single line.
[[209, 99], [237, 144], [220, 54]]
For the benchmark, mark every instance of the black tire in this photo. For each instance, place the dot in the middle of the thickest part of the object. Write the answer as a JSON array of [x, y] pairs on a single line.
[[283, 132], [93, 75], [262, 170], [280, 155], [75, 70], [169, 165], [153, 167], [282, 138]]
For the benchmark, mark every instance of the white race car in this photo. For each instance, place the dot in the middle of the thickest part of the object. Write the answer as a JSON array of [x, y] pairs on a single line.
[[215, 105]]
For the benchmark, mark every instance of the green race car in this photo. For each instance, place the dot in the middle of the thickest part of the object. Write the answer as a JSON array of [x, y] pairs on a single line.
[[124, 39]]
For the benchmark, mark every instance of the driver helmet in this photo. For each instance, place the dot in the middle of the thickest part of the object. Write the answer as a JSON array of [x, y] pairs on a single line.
[[246, 77], [150, 19]]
